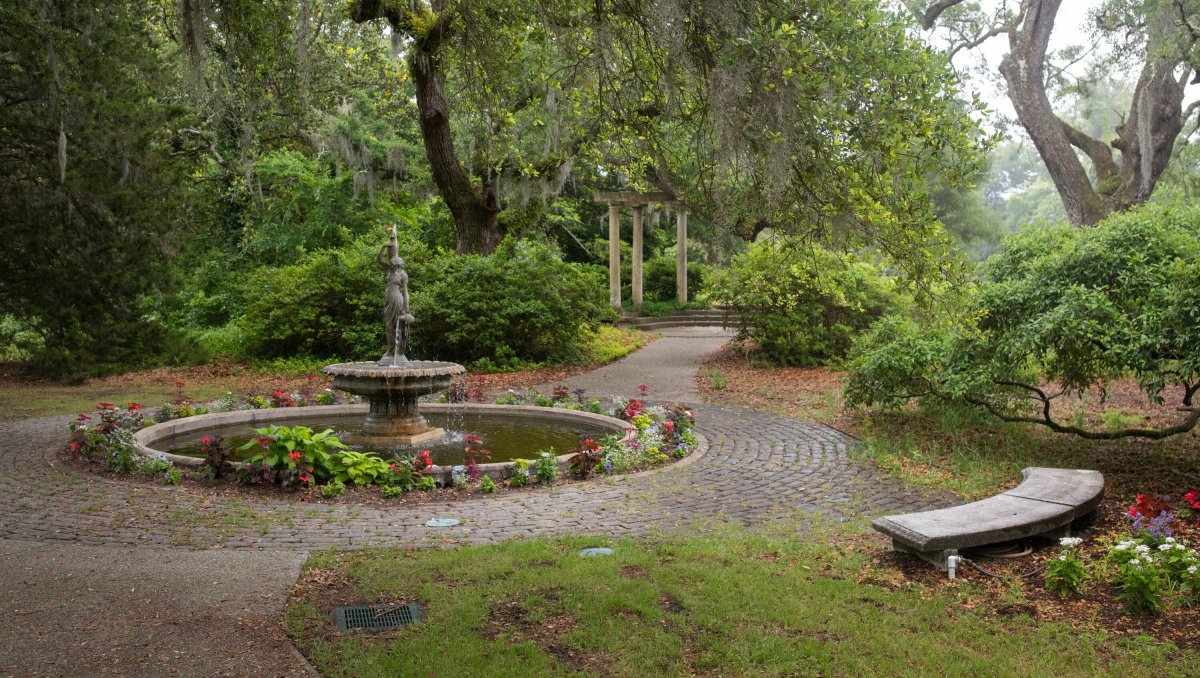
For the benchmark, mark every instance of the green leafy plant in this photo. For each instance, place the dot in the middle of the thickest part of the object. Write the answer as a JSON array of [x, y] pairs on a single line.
[[296, 455], [1141, 580], [426, 483], [545, 467], [334, 488], [392, 491], [359, 468], [520, 473], [487, 485], [106, 435], [1066, 573]]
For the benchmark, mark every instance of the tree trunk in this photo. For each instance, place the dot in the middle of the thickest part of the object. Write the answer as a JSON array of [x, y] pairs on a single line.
[[476, 211], [1145, 140]]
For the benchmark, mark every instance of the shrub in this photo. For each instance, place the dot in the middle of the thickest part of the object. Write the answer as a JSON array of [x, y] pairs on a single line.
[[1075, 306], [804, 305], [487, 485], [522, 303], [659, 278], [106, 435]]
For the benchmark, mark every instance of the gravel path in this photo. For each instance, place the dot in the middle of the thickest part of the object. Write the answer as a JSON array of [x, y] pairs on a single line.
[[132, 579]]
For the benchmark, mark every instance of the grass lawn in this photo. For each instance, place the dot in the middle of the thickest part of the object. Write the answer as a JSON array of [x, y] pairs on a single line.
[[780, 600]]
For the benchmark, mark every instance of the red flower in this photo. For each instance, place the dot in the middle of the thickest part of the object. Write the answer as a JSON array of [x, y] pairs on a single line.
[[207, 440], [104, 406], [134, 407], [74, 447], [1193, 498], [294, 456]]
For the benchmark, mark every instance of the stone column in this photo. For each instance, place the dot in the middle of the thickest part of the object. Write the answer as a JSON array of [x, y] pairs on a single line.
[[638, 213], [681, 291], [614, 255]]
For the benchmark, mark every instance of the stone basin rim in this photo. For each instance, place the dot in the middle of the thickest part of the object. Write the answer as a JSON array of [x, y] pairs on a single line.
[[405, 370], [145, 439]]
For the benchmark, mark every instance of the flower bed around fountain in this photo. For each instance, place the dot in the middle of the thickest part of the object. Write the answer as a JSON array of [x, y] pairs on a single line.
[[158, 440]]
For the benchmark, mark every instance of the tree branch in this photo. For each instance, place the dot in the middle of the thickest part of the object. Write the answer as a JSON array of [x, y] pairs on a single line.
[[932, 12]]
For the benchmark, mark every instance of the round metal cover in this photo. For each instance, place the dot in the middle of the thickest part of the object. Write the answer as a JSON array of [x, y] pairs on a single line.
[[596, 551], [442, 522]]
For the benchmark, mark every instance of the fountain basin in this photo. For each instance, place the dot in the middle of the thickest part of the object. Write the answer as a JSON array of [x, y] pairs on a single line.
[[158, 440], [392, 391]]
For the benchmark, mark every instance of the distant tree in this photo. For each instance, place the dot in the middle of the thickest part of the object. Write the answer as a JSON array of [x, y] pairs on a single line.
[[1160, 36]]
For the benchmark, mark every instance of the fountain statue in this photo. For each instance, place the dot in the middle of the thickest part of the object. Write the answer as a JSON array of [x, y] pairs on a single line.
[[393, 385]]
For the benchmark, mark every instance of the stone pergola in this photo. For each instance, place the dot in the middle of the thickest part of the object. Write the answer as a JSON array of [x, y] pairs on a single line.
[[639, 202]]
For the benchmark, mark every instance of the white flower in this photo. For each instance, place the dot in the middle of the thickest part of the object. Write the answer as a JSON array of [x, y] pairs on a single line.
[[1192, 569], [1068, 542], [1123, 546], [1142, 548], [1170, 540], [1062, 558], [1165, 547]]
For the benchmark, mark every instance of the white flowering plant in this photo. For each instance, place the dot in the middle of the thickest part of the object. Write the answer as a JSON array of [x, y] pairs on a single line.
[[1066, 573]]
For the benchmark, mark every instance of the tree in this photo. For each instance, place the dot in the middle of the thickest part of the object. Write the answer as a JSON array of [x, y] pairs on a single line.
[[818, 117], [1160, 34], [88, 182], [1060, 310]]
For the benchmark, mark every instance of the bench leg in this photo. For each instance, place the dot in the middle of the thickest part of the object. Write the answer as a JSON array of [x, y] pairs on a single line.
[[939, 559]]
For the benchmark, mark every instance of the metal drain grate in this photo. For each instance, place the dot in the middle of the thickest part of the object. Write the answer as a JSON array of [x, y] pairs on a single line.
[[376, 617]]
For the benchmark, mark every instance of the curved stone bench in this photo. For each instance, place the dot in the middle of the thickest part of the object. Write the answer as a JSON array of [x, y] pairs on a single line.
[[1045, 504]]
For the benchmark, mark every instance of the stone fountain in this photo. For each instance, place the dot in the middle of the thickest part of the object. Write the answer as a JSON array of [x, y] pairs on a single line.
[[393, 384]]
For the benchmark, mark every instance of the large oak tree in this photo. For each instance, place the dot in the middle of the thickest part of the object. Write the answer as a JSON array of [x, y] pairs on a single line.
[[1159, 37]]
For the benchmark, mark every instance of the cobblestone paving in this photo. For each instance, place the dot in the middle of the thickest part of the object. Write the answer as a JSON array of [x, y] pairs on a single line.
[[757, 467]]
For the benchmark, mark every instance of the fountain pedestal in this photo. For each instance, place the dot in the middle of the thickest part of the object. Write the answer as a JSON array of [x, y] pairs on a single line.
[[392, 391]]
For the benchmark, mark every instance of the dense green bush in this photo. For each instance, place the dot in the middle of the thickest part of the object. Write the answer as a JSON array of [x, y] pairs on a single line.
[[330, 304], [522, 303], [1060, 310], [802, 304], [660, 278]]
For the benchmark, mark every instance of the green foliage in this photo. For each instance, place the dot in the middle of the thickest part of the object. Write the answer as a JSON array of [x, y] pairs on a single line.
[[804, 305], [659, 278], [292, 451], [545, 467], [328, 304], [521, 303], [1067, 572], [426, 483], [334, 488], [520, 473], [89, 185], [487, 485], [1079, 307], [359, 468]]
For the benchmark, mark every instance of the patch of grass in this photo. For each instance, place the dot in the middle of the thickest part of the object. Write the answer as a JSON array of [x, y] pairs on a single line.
[[716, 378], [609, 343], [770, 601], [41, 399]]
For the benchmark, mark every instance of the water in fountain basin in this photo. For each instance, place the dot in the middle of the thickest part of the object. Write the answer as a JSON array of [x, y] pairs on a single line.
[[508, 438]]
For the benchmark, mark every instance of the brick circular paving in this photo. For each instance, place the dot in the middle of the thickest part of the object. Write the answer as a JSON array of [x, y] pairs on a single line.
[[758, 467]]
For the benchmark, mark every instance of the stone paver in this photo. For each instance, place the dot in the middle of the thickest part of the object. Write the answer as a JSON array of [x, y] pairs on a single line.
[[757, 468]]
